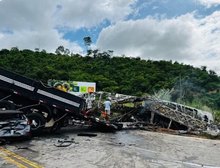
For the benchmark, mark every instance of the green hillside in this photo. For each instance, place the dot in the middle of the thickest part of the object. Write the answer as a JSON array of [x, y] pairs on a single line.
[[133, 76]]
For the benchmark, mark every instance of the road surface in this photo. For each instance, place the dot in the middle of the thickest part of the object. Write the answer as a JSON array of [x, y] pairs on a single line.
[[124, 149]]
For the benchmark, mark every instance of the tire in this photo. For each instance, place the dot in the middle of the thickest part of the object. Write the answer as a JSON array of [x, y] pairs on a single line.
[[44, 110], [37, 122]]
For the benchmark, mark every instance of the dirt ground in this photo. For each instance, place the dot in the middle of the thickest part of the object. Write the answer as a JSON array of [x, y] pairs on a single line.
[[123, 149]]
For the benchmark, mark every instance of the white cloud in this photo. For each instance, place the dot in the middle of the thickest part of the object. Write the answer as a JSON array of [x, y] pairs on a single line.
[[184, 39], [30, 24], [209, 3], [36, 39], [87, 13]]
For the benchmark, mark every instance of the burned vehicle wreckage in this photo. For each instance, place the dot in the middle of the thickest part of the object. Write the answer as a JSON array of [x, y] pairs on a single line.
[[167, 115], [151, 113], [50, 108], [13, 124]]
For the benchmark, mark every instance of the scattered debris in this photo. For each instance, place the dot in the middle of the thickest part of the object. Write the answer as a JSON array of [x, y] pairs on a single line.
[[22, 147], [87, 134], [65, 143], [128, 112], [117, 144]]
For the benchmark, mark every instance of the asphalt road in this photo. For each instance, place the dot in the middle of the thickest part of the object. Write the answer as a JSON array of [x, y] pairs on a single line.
[[124, 149]]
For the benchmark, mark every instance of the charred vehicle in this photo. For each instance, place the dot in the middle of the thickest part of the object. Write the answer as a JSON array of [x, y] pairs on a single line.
[[13, 123]]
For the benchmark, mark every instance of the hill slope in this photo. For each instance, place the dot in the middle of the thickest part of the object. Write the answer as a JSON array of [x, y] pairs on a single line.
[[125, 75]]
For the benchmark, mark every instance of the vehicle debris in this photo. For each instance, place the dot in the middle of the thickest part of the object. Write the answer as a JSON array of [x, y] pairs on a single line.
[[65, 143], [38, 107], [87, 134], [13, 124], [149, 113]]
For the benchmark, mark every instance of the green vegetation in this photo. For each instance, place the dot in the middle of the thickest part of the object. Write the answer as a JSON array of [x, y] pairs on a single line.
[[133, 76]]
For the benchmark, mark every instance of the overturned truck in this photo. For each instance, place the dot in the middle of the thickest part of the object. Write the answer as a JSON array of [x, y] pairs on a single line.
[[45, 107]]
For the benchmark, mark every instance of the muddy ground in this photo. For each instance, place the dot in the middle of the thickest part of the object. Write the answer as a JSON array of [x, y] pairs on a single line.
[[123, 149]]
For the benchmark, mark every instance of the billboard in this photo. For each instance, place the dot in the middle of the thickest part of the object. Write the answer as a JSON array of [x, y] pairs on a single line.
[[74, 87]]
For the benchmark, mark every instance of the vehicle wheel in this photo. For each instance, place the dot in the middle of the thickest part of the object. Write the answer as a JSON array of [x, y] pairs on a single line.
[[46, 112], [37, 122], [6, 105]]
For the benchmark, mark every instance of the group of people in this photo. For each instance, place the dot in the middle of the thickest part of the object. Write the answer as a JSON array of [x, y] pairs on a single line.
[[106, 110]]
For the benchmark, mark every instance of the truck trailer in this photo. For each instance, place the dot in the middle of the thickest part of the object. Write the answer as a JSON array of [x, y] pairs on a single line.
[[44, 106]]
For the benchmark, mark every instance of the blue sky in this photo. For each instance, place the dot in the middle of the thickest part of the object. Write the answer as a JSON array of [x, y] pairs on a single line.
[[187, 31], [155, 8], [79, 34]]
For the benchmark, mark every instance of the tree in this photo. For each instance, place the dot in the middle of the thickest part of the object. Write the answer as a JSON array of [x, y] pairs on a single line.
[[110, 52], [60, 50], [95, 52], [66, 51], [203, 68], [14, 49], [37, 49], [87, 41], [44, 51], [4, 52], [211, 72]]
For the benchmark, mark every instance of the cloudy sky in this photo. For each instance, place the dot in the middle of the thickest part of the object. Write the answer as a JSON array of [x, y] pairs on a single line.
[[187, 31]]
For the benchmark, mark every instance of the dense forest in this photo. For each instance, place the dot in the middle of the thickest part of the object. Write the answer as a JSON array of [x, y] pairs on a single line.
[[127, 75]]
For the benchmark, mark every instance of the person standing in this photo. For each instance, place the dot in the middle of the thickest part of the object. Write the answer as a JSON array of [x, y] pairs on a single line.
[[107, 105], [89, 101]]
